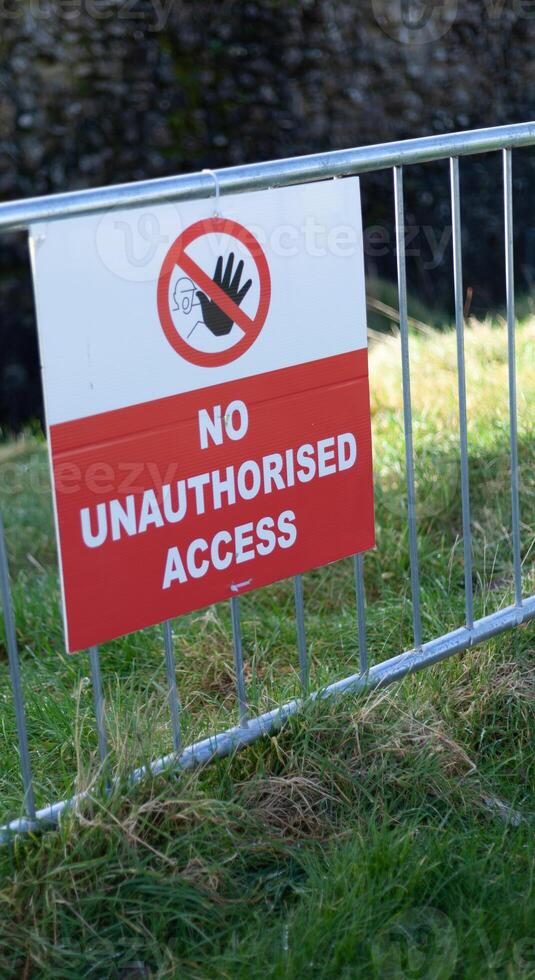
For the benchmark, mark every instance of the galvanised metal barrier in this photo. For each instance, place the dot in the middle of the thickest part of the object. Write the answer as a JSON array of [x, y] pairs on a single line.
[[19, 215]]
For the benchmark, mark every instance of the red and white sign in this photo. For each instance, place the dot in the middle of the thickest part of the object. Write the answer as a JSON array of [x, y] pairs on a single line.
[[206, 390]]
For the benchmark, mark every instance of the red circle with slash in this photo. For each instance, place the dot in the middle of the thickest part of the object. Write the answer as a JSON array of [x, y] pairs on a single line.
[[177, 256]]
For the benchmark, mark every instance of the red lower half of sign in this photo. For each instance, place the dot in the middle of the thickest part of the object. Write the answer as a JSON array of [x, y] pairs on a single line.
[[169, 506]]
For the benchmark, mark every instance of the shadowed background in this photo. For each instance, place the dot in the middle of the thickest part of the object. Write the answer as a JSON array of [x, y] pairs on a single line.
[[97, 92]]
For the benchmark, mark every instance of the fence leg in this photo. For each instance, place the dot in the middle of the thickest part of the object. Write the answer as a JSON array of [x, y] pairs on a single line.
[[361, 613], [98, 701], [513, 427], [463, 427], [174, 703], [238, 661], [301, 635], [14, 671], [407, 404]]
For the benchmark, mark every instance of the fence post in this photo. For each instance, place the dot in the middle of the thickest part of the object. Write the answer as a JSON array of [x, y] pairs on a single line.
[[238, 661], [14, 671], [174, 703], [98, 700], [407, 404], [301, 635], [513, 426], [361, 612], [461, 377]]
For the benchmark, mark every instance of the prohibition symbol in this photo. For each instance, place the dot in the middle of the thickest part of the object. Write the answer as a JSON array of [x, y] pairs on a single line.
[[213, 299]]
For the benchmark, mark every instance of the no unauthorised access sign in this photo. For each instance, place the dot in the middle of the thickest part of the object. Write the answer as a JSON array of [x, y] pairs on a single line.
[[206, 392]]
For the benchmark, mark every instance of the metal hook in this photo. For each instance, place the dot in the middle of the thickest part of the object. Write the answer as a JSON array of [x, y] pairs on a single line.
[[206, 170]]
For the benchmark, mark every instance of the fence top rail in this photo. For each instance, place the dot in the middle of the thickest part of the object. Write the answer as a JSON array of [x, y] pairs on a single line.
[[17, 215]]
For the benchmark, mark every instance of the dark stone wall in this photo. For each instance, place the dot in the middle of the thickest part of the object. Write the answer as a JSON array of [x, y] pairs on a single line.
[[102, 91]]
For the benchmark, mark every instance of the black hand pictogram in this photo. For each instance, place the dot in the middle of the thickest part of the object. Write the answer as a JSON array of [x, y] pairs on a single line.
[[215, 319]]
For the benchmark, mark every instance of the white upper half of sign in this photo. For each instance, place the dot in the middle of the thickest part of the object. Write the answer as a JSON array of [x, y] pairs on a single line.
[[101, 341]]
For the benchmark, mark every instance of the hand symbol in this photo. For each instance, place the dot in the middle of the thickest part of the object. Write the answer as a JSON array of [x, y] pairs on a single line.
[[215, 319]]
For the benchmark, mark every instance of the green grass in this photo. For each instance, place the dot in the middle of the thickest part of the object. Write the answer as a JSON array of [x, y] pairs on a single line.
[[384, 836]]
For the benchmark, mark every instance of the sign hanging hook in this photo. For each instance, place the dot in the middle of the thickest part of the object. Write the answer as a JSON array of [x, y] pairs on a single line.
[[212, 173]]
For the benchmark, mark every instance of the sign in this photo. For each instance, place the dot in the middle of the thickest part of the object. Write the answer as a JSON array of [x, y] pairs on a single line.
[[206, 393]]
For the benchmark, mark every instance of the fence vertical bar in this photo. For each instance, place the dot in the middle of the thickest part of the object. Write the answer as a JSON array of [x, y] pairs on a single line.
[[172, 694], [98, 700], [511, 351], [14, 671], [407, 404], [238, 661], [361, 613], [461, 378], [301, 635]]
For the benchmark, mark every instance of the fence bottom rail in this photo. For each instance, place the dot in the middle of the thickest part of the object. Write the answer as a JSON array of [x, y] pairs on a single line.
[[224, 743]]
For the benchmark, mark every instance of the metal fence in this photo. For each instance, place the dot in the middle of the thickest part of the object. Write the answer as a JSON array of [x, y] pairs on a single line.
[[19, 215]]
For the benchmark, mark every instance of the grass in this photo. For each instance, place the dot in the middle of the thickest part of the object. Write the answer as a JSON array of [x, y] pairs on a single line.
[[384, 836]]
